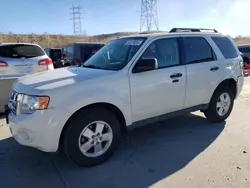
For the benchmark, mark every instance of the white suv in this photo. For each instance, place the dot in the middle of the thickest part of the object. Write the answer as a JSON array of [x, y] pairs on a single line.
[[16, 60], [131, 81]]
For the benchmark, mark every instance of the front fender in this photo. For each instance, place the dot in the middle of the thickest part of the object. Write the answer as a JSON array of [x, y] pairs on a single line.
[[100, 95]]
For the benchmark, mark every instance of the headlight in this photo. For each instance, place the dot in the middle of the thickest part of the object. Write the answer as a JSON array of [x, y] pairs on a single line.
[[29, 104]]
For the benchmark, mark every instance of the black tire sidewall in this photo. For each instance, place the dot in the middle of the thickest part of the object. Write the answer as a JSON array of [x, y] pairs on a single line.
[[212, 113], [76, 126]]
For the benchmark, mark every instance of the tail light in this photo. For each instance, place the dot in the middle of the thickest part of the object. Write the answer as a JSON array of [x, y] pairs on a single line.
[[46, 61], [3, 64]]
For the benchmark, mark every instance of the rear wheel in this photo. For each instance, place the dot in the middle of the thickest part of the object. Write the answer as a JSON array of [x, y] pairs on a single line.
[[92, 137], [221, 105]]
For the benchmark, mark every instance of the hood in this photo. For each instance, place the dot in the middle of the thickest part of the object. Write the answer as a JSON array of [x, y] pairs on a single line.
[[57, 78]]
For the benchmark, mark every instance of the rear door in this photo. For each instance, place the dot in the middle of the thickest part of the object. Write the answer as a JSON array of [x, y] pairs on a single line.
[[202, 70], [20, 59]]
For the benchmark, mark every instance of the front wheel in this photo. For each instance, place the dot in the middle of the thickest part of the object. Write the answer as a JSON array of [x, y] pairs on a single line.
[[221, 105], [92, 137]]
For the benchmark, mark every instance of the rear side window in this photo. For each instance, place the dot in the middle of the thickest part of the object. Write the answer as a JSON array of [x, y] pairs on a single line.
[[226, 47], [197, 50], [20, 50]]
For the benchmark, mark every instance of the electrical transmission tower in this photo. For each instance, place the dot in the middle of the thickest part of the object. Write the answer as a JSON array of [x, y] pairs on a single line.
[[149, 15], [77, 19]]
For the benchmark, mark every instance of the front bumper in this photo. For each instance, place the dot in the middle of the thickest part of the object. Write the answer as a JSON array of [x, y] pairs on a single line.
[[40, 130]]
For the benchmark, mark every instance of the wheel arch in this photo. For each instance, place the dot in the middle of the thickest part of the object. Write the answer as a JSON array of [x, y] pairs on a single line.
[[103, 105], [229, 82]]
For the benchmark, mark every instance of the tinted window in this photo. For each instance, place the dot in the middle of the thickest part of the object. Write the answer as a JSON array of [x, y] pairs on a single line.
[[197, 50], [20, 50], [226, 47], [166, 52], [47, 51], [244, 49], [68, 50]]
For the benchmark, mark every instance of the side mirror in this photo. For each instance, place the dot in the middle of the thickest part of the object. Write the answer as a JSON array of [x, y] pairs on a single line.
[[144, 65]]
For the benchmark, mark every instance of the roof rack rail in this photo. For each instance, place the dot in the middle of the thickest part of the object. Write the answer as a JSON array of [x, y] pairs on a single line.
[[174, 30]]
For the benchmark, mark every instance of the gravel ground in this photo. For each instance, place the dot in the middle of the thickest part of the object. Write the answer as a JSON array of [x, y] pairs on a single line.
[[178, 153]]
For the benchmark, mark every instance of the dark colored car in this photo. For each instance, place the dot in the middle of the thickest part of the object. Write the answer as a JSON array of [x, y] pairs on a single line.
[[77, 53], [54, 53], [246, 62]]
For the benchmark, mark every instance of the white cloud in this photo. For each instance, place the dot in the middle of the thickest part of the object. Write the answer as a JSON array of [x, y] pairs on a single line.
[[234, 20]]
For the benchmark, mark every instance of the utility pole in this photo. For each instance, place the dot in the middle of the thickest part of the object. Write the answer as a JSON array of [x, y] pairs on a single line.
[[149, 15], [76, 12]]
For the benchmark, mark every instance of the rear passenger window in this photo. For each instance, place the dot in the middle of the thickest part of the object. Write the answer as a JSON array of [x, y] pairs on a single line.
[[226, 47], [197, 50], [20, 50]]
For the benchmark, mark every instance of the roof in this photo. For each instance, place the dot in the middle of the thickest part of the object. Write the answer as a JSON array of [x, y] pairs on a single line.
[[153, 35], [243, 45], [14, 43]]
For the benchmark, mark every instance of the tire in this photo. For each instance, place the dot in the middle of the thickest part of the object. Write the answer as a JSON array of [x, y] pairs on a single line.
[[81, 123], [212, 113]]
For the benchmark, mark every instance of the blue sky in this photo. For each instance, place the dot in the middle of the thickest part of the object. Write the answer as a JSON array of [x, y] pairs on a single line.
[[107, 16]]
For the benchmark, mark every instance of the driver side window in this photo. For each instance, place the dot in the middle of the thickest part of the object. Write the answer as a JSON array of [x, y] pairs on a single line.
[[166, 51]]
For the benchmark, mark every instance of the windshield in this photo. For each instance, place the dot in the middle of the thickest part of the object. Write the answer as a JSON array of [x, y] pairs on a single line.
[[116, 54]]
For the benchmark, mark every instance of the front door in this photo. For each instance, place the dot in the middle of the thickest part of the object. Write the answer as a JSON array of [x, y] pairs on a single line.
[[159, 91]]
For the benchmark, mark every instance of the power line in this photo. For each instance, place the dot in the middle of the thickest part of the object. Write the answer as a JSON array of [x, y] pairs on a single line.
[[77, 19], [149, 15]]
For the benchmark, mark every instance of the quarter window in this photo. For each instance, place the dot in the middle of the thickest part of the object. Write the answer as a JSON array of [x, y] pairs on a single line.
[[197, 50], [226, 47], [166, 52]]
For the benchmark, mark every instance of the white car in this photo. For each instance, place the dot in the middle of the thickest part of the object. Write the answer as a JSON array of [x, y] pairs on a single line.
[[130, 82], [16, 60]]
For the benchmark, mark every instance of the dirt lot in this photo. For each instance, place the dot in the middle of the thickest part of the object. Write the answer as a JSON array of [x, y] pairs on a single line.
[[182, 152]]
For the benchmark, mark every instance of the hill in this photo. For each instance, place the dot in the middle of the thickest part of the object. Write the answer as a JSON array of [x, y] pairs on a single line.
[[48, 40]]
